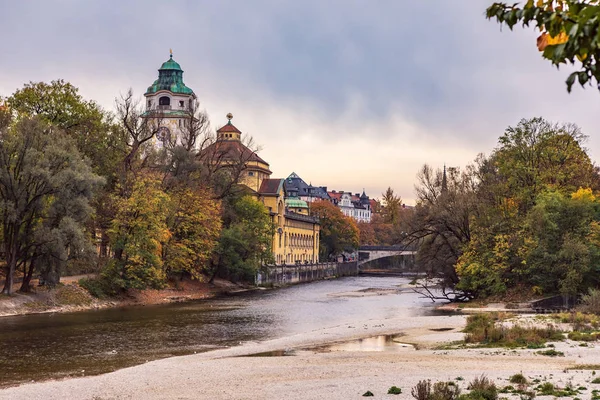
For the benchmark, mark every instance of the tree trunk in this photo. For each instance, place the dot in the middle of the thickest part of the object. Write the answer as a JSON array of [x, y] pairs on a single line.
[[26, 285], [11, 265]]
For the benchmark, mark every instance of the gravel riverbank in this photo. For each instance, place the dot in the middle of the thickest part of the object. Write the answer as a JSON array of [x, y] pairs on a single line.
[[313, 372]]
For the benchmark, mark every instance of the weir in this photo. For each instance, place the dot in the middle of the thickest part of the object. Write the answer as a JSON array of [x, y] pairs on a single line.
[[290, 274]]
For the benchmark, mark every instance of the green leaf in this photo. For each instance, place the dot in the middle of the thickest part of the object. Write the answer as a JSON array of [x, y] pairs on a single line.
[[570, 81]]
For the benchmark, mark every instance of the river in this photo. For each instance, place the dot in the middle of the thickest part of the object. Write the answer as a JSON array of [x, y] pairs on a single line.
[[43, 346]]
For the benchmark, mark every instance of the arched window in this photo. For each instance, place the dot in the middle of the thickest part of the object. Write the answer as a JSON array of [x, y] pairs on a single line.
[[164, 101]]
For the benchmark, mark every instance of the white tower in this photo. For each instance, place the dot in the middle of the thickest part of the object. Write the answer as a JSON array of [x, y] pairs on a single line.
[[170, 102]]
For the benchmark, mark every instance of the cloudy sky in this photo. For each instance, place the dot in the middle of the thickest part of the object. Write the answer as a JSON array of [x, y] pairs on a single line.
[[348, 94]]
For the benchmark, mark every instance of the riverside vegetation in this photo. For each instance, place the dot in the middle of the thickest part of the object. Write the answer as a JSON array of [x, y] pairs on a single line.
[[84, 190]]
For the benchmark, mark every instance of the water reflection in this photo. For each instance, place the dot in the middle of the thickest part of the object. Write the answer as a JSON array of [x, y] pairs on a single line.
[[45, 346], [387, 343]]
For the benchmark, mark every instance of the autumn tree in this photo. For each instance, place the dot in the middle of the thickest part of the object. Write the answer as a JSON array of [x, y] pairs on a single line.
[[338, 233], [45, 188], [392, 206], [194, 220], [138, 234], [528, 178], [569, 32]]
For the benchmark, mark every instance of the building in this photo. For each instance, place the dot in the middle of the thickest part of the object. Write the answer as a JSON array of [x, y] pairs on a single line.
[[296, 238], [170, 104], [296, 187], [353, 205]]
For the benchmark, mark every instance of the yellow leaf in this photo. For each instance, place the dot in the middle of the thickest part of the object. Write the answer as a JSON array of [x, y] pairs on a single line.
[[559, 39]]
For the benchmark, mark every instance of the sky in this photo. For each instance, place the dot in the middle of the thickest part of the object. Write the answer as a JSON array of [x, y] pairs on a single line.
[[348, 94]]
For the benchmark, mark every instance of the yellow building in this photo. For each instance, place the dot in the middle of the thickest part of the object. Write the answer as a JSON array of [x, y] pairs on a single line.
[[296, 238]]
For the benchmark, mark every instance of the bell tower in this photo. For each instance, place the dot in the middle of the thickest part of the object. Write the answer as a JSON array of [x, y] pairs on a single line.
[[170, 103]]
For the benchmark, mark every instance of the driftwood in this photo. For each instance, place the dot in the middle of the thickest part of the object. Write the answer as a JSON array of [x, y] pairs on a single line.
[[434, 289]]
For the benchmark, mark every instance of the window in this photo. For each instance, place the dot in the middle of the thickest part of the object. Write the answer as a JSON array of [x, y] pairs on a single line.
[[251, 173], [164, 101], [149, 103], [181, 103]]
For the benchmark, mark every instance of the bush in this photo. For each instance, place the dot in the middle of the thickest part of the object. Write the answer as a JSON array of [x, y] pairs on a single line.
[[590, 302], [519, 379], [441, 391], [99, 287], [483, 388], [551, 353], [394, 390], [445, 391], [422, 390]]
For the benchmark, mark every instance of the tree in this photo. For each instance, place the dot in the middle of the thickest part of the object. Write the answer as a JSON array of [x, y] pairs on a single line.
[[569, 32], [45, 187], [245, 241], [137, 236], [338, 233], [526, 230], [441, 223], [59, 104], [194, 219], [392, 207]]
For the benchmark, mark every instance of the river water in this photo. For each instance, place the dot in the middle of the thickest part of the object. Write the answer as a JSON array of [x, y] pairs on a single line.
[[37, 347]]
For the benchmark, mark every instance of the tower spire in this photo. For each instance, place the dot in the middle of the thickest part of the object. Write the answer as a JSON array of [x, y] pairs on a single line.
[[444, 181]]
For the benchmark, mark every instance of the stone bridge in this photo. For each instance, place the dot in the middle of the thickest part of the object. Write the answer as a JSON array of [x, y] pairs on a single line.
[[370, 253]]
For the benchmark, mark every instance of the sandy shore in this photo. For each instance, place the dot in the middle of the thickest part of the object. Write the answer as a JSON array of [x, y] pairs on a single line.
[[318, 374]]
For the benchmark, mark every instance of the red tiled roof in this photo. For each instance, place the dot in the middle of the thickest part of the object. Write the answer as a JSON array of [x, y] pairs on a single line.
[[270, 186], [233, 150], [229, 127], [336, 195]]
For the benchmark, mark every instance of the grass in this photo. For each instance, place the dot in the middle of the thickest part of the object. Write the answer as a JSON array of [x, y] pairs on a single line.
[[551, 353], [584, 337], [487, 329], [585, 367]]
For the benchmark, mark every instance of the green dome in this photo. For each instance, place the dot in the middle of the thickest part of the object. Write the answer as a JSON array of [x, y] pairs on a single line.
[[170, 77], [294, 202], [170, 64]]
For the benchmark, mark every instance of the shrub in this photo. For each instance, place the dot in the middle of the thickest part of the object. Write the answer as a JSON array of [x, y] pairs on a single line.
[[368, 393], [546, 389], [596, 380], [445, 391], [583, 337], [483, 388], [590, 302], [551, 353], [99, 287], [519, 379], [422, 390], [394, 390]]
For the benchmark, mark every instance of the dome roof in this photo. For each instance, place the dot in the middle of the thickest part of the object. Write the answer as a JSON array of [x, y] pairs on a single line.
[[170, 78], [170, 64], [292, 202]]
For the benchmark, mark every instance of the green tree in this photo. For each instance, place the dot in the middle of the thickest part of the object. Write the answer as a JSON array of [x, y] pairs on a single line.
[[338, 233], [527, 230], [45, 187], [246, 240], [60, 104], [569, 32]]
